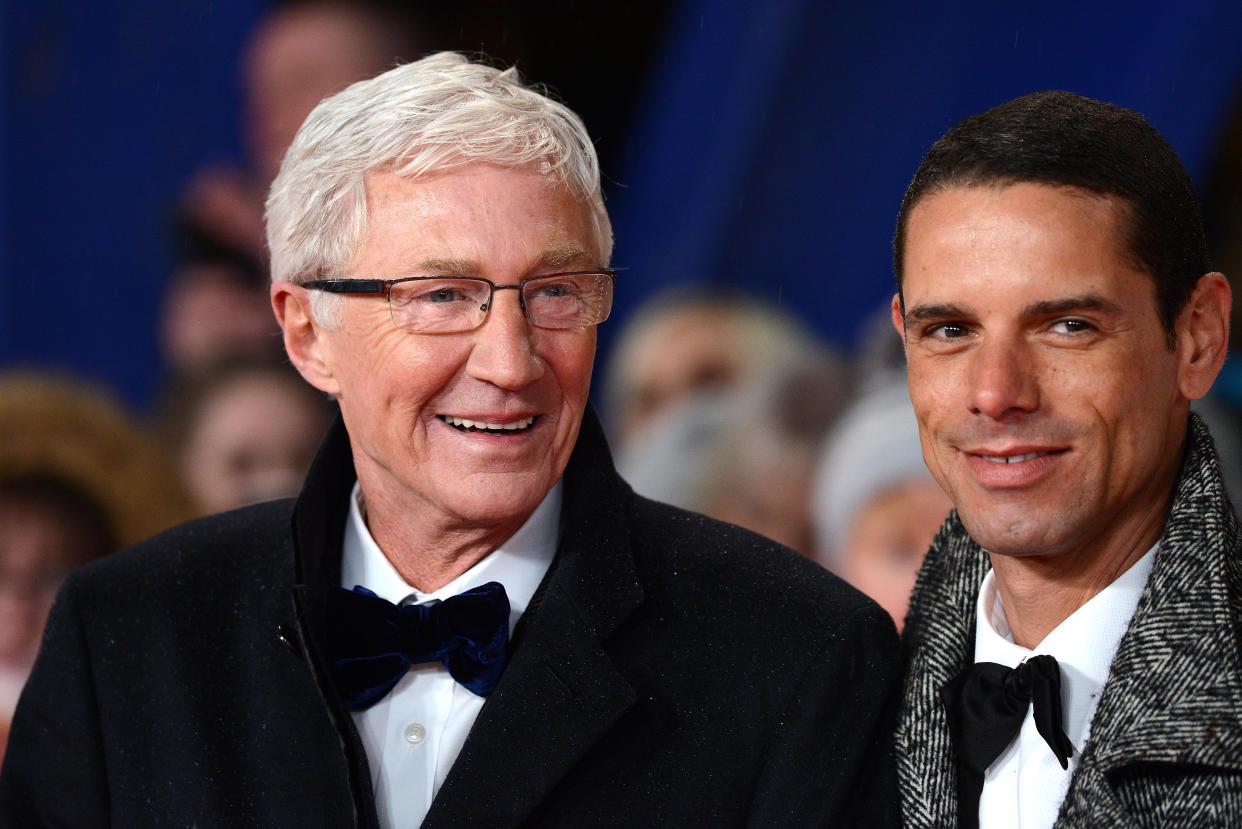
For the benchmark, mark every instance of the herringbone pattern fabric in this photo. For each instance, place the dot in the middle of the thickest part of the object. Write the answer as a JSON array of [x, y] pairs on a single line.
[[1166, 742]]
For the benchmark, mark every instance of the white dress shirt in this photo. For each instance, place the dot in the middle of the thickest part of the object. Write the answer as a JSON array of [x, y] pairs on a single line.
[[1024, 786], [413, 735]]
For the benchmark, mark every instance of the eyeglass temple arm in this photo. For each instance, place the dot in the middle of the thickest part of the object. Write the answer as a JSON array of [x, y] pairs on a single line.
[[349, 286]]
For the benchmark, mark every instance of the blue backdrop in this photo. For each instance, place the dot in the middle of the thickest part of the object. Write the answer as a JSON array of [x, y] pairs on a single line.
[[771, 149], [779, 137]]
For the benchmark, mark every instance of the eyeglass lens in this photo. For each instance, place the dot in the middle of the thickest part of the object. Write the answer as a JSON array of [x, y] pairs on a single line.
[[450, 304]]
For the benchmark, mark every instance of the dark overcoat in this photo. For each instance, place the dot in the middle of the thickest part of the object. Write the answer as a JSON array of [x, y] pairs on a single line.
[[1166, 740], [671, 671]]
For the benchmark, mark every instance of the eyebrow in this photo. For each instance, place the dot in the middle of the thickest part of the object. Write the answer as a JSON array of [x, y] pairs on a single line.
[[1044, 308], [551, 258], [555, 257], [1086, 302], [922, 313], [447, 266]]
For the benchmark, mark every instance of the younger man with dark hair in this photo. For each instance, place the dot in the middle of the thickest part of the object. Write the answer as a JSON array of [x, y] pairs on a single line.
[[1073, 639]]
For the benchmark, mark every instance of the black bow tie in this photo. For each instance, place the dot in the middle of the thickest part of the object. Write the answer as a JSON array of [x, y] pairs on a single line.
[[371, 642], [986, 704]]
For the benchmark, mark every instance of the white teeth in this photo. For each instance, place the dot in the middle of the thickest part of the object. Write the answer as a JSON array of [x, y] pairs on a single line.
[[1013, 458], [463, 423]]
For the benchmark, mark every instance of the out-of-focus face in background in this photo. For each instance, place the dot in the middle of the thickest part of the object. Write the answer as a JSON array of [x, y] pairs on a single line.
[[889, 539], [47, 528], [718, 402], [41, 540], [682, 343], [876, 506], [299, 56], [212, 313], [77, 480], [680, 354], [251, 436]]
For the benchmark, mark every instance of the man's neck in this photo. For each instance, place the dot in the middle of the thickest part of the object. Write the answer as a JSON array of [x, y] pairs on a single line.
[[1041, 592], [429, 555]]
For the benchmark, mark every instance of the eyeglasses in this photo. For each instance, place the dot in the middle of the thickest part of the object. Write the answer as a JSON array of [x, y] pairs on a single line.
[[451, 304]]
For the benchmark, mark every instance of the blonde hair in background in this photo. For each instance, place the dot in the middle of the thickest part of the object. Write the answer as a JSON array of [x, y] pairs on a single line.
[[58, 427]]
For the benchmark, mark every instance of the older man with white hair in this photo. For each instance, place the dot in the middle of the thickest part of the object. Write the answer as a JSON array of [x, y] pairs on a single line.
[[466, 618]]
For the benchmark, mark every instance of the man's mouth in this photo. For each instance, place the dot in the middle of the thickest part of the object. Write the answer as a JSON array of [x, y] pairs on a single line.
[[1026, 456], [462, 424]]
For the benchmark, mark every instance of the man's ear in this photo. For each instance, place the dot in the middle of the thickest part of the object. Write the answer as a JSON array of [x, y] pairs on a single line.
[[899, 319], [304, 341], [1203, 335]]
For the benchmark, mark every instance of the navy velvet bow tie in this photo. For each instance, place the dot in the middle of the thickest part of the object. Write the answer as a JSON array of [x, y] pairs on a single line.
[[371, 642]]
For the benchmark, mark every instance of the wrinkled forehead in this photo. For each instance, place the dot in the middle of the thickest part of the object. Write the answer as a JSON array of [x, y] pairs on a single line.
[[439, 212]]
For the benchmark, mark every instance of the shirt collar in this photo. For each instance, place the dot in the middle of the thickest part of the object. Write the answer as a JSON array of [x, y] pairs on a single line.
[[519, 563], [1084, 644]]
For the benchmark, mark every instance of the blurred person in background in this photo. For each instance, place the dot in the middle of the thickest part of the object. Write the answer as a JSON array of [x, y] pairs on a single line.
[[876, 506], [77, 480], [722, 405], [216, 308], [688, 340], [244, 431], [301, 52], [766, 457]]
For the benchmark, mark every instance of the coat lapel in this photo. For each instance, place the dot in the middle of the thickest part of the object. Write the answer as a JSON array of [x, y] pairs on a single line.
[[1174, 693], [318, 527], [561, 691], [939, 641]]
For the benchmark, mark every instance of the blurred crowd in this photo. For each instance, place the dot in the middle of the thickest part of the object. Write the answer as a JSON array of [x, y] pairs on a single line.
[[720, 403], [714, 400]]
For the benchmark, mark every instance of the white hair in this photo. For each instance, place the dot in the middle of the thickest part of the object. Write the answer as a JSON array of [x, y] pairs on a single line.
[[874, 447], [421, 118]]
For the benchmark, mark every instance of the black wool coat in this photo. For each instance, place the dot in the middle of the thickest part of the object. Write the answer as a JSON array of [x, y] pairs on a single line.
[[671, 671]]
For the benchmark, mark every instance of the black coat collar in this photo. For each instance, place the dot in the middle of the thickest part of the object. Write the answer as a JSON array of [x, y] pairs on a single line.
[[560, 691]]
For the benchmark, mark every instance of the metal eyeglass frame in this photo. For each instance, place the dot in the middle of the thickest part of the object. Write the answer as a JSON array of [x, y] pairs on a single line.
[[376, 287]]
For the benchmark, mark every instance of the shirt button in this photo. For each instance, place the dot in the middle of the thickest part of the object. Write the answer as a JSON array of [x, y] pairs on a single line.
[[415, 733]]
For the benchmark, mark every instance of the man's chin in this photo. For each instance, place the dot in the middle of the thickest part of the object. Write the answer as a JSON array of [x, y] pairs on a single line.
[[1016, 536], [502, 502]]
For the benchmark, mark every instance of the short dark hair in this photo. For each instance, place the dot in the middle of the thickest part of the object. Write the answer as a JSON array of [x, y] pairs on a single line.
[[1063, 139]]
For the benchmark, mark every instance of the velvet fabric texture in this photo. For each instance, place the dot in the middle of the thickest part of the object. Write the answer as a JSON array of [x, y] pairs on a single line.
[[986, 704], [373, 642]]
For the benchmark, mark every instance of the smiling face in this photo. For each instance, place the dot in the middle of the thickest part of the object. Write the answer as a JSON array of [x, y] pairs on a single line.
[[405, 396], [1050, 404]]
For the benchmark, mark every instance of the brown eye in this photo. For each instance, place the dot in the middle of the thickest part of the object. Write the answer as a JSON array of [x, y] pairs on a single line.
[[946, 331], [1072, 326]]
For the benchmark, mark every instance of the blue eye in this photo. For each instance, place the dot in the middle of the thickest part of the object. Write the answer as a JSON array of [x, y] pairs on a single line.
[[554, 290], [442, 295]]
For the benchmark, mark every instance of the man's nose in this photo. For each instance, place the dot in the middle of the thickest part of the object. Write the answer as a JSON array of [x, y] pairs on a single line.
[[1004, 381], [504, 352]]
